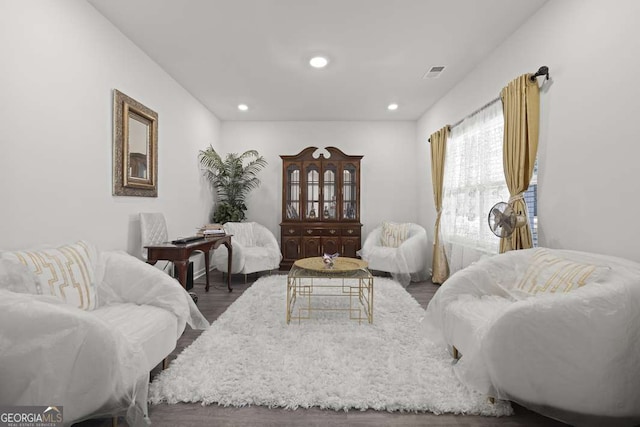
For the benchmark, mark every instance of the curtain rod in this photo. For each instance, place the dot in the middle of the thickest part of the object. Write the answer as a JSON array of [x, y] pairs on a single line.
[[488, 104], [542, 71]]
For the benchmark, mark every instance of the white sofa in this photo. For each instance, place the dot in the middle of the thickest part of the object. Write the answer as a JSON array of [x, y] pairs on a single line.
[[91, 355], [554, 330], [255, 248], [407, 262]]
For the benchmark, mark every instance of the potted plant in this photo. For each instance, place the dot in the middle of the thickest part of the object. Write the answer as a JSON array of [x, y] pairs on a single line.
[[231, 180]]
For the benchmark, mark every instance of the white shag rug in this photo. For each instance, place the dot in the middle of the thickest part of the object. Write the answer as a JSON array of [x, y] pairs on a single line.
[[250, 356]]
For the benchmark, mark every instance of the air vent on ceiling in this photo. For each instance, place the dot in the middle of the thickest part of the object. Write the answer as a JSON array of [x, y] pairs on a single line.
[[433, 72]]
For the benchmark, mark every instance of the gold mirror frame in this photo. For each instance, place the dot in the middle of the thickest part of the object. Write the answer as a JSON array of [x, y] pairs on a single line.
[[135, 148]]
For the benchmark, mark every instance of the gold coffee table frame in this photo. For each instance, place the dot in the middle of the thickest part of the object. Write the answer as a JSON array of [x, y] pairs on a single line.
[[350, 278]]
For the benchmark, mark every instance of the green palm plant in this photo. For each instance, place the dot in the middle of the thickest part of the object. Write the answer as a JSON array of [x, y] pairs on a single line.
[[231, 180]]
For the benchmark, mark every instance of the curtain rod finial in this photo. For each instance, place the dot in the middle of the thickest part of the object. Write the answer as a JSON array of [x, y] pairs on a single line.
[[542, 71]]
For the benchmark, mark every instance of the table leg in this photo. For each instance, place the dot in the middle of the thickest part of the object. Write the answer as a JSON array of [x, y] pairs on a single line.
[[206, 270], [229, 258], [288, 299], [181, 266], [370, 280]]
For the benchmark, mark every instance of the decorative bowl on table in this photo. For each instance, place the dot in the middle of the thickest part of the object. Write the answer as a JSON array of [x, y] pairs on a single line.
[[329, 260]]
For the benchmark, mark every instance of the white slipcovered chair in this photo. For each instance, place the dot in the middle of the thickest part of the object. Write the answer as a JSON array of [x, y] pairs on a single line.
[[255, 249], [83, 328], [153, 231], [399, 249], [557, 331]]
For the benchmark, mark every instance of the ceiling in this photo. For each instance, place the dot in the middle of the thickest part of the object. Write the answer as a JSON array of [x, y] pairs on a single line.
[[256, 52]]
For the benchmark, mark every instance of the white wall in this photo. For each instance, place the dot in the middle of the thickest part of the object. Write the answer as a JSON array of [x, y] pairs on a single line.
[[61, 60], [388, 171], [60, 63], [589, 148]]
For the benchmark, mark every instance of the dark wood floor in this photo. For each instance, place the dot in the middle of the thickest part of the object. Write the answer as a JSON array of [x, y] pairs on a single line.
[[215, 302]]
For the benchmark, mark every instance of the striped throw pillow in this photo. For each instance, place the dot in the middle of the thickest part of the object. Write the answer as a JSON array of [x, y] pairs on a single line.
[[393, 235], [66, 272], [549, 273]]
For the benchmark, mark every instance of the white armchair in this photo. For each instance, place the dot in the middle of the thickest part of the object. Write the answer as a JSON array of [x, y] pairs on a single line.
[[557, 331], [85, 331], [407, 262], [255, 248]]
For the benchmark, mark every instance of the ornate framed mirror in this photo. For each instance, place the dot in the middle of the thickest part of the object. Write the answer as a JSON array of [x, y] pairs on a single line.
[[135, 148]]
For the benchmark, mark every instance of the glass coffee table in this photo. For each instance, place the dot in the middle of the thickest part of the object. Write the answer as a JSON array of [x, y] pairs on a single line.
[[311, 278]]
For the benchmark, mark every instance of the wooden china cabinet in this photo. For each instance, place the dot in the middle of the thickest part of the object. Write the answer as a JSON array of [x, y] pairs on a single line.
[[320, 205]]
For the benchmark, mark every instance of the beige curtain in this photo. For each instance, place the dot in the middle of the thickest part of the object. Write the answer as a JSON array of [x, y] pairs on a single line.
[[521, 104], [439, 267]]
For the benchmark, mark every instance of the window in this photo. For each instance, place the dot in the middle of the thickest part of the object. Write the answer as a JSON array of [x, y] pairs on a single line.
[[474, 182], [531, 199]]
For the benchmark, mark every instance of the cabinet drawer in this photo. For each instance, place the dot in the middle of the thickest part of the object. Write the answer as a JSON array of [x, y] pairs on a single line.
[[351, 231], [312, 232], [331, 232], [290, 231]]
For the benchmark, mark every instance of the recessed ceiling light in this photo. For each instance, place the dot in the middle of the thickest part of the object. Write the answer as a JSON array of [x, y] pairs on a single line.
[[243, 107], [318, 62], [392, 107]]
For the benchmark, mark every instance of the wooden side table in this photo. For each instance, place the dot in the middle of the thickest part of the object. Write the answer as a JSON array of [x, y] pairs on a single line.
[[179, 254]]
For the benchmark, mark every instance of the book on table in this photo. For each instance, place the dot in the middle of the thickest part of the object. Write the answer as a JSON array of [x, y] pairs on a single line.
[[211, 230]]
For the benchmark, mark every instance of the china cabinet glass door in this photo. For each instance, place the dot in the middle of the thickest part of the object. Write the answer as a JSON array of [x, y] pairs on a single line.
[[329, 192], [292, 194], [349, 192], [313, 191]]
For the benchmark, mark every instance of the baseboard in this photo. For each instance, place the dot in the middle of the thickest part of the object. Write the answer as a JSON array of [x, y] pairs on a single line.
[[198, 274]]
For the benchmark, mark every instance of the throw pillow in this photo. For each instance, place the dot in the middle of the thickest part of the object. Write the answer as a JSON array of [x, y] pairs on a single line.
[[549, 273], [393, 235], [66, 272]]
